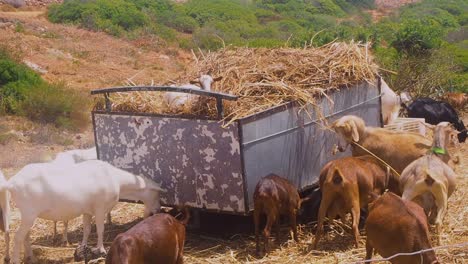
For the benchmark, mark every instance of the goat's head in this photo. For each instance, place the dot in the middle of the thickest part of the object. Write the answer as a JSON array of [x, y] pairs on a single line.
[[350, 128], [150, 197], [444, 134], [205, 81], [404, 98]]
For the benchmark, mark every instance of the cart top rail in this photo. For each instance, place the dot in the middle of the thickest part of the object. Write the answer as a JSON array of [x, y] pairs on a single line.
[[219, 96]]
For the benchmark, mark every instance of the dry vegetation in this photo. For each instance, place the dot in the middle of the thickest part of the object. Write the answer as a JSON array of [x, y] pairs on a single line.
[[264, 78]]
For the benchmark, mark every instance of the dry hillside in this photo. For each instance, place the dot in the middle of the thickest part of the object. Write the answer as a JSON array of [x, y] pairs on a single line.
[[83, 60]]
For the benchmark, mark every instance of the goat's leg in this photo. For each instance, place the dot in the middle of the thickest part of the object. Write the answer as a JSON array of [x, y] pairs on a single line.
[[271, 219], [324, 204], [256, 216], [355, 213], [440, 194], [277, 225], [369, 249], [27, 221], [109, 218], [292, 220], [7, 247], [65, 233], [55, 230], [100, 233], [5, 205], [28, 249], [86, 229]]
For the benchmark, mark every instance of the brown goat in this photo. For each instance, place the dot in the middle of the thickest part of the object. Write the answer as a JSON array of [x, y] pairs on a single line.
[[274, 196], [345, 184], [457, 100], [398, 149], [157, 239], [396, 226]]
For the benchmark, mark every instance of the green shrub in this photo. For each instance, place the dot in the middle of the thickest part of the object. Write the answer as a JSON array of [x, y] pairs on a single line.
[[418, 36], [24, 92], [55, 104], [15, 80], [330, 8], [111, 16]]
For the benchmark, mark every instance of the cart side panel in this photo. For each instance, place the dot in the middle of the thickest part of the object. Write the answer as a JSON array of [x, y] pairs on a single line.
[[196, 162], [289, 144]]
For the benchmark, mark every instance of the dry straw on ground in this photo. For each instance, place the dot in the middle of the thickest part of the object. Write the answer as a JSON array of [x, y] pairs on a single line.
[[264, 78]]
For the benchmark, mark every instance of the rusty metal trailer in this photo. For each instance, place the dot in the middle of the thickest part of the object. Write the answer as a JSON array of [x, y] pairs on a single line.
[[201, 164]]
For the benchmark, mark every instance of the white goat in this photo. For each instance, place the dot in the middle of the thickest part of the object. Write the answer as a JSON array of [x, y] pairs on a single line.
[[75, 156], [5, 216], [390, 103], [429, 180], [175, 99], [69, 158], [90, 188]]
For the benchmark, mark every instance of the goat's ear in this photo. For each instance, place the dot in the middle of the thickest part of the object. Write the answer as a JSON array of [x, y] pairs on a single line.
[[354, 131], [336, 124], [195, 82], [219, 78]]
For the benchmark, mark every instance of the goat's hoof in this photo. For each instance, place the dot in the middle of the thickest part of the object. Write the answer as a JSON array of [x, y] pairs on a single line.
[[6, 260], [30, 260]]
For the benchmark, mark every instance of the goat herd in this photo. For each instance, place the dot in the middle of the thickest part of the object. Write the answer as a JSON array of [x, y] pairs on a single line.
[[408, 165]]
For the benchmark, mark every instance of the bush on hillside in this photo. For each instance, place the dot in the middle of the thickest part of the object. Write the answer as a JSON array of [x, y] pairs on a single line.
[[111, 16], [24, 92], [418, 36]]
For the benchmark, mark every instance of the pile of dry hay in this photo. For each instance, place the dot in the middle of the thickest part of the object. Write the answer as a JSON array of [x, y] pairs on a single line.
[[264, 78]]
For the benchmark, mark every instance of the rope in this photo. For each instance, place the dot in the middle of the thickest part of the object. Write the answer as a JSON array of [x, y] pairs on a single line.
[[410, 253], [375, 156]]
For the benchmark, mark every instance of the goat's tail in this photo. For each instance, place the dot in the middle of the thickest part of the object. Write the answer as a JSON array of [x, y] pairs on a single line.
[[429, 180], [337, 177]]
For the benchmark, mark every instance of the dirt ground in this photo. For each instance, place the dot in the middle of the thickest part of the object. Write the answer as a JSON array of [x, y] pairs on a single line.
[[88, 60]]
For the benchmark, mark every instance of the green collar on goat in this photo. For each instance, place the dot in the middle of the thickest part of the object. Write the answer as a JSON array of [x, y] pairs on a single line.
[[438, 150]]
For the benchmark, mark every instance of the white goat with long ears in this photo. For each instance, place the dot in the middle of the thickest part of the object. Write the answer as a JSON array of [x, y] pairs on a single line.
[[175, 99], [90, 188], [5, 216], [429, 180]]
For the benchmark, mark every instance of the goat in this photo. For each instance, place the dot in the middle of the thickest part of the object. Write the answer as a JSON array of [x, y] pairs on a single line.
[[435, 112], [390, 104], [5, 217], [345, 184], [457, 100], [431, 177], [157, 239], [398, 149], [175, 99], [90, 188], [396, 226], [274, 196], [67, 158]]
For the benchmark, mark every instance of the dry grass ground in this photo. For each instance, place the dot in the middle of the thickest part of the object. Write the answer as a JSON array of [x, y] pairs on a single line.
[[84, 59]]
